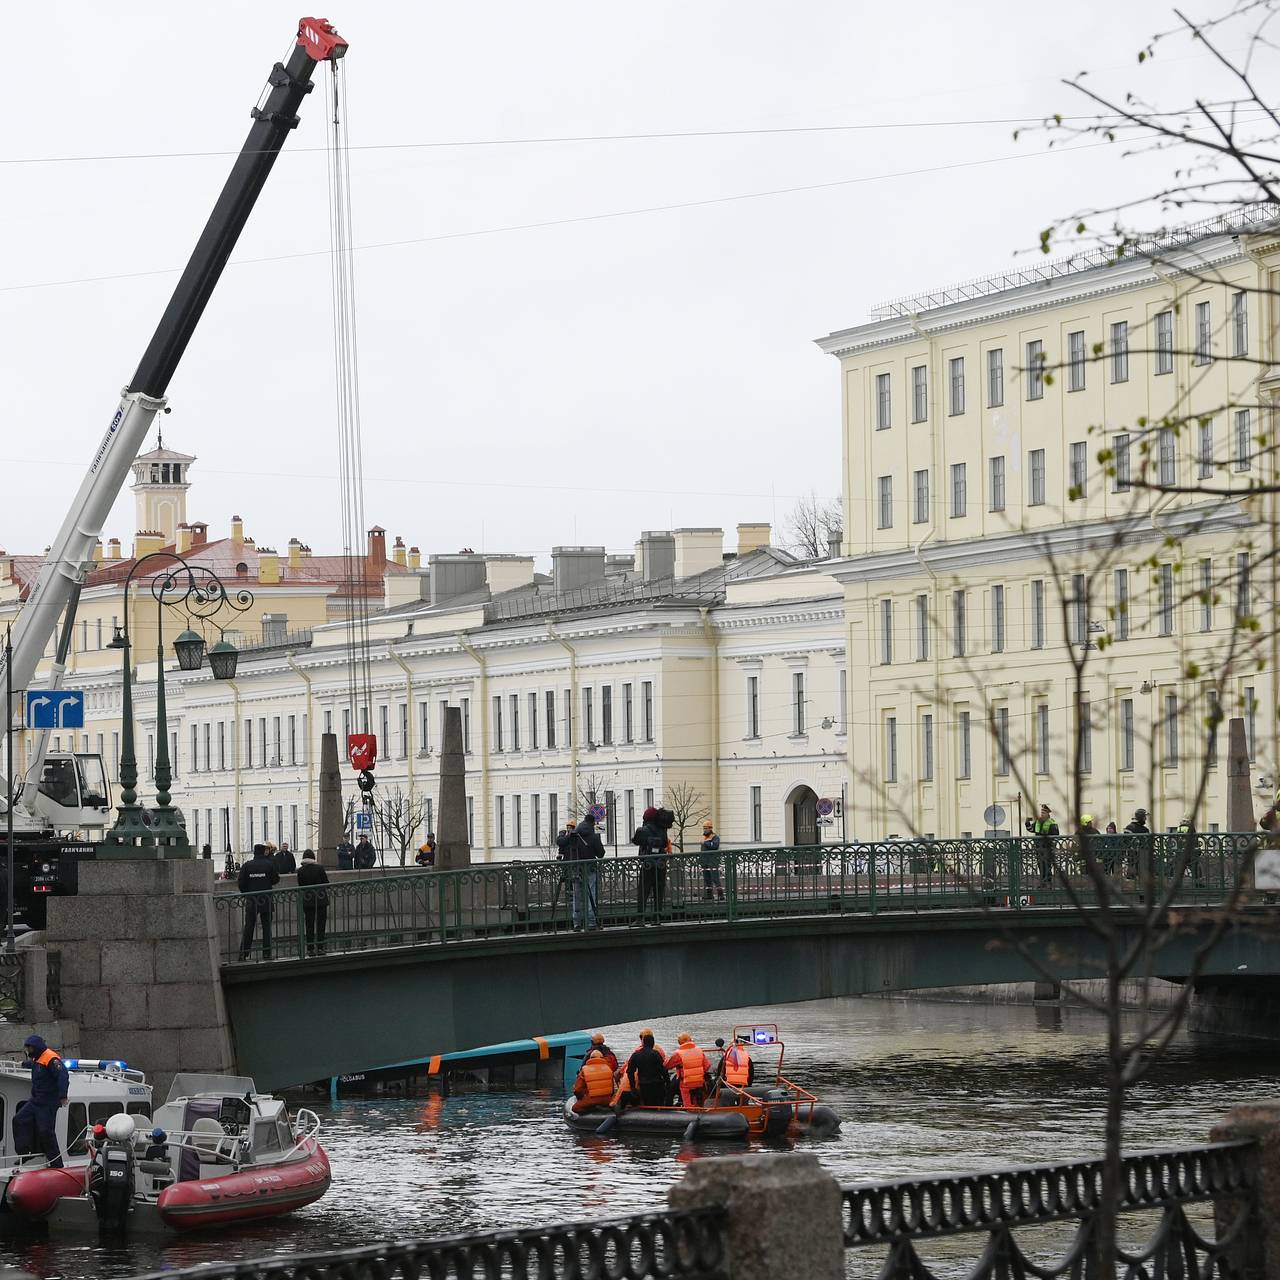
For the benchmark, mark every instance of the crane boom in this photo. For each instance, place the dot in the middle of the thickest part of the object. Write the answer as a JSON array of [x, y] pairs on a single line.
[[72, 550]]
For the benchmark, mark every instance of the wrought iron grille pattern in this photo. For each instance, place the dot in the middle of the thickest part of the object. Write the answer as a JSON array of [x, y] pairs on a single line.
[[772, 882], [12, 985], [683, 1245], [900, 1214], [53, 982]]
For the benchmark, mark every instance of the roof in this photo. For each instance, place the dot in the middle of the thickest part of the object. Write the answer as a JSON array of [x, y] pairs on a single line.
[[161, 454]]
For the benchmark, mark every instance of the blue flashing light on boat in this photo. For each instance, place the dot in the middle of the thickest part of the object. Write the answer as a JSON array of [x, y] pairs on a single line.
[[95, 1064]]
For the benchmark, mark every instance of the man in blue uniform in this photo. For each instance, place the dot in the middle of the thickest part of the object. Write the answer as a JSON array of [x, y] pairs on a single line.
[[34, 1121]]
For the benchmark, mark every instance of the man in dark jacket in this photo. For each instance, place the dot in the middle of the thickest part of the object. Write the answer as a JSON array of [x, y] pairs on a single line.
[[709, 859], [582, 851], [366, 857], [315, 901], [257, 877], [346, 855], [1138, 827], [651, 841], [285, 863], [645, 1077], [35, 1121]]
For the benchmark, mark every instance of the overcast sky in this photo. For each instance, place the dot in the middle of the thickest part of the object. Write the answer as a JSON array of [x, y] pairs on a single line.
[[571, 383]]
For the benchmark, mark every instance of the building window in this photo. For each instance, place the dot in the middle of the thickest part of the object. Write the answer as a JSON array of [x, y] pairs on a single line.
[[628, 715], [1204, 448], [1123, 476], [1042, 738], [208, 736], [995, 469], [1242, 585], [466, 724], [842, 688], [1120, 351], [517, 820], [1204, 334], [404, 733], [920, 493], [588, 718], [1170, 730], [248, 744], [497, 722], [886, 632], [757, 816], [500, 807], [1206, 595], [553, 816], [606, 715], [958, 619], [797, 703], [1122, 604], [1079, 609], [1075, 360], [568, 717], [1035, 475], [1165, 605], [1240, 323], [222, 744], [997, 618], [926, 747], [922, 628], [533, 724], [1164, 342], [959, 489], [646, 702], [883, 407], [919, 393], [1084, 726], [1251, 721], [1168, 456], [550, 724], [536, 799], [1243, 441], [195, 748], [1035, 370], [885, 507], [1037, 613], [1079, 471], [515, 722], [955, 385], [995, 378], [964, 755], [753, 706], [1212, 719], [891, 748], [1126, 734], [1003, 759]]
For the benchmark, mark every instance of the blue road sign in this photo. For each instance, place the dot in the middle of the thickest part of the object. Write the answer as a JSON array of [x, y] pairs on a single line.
[[55, 708], [364, 820]]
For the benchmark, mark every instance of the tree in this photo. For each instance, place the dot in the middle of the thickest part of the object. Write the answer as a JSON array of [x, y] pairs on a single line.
[[400, 817], [689, 806], [808, 528]]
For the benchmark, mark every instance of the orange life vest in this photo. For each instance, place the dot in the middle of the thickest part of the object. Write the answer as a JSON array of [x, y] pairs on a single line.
[[46, 1057], [737, 1067], [597, 1075], [692, 1071]]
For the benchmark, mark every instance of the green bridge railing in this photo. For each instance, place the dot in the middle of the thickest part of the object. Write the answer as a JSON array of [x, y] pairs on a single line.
[[769, 882]]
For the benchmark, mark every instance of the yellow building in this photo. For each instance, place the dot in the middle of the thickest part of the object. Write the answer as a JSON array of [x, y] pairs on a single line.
[[987, 546]]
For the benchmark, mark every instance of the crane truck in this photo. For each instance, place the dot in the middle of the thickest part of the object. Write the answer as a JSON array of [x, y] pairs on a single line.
[[66, 794]]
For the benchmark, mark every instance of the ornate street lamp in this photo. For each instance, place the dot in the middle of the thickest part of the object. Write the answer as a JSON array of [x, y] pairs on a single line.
[[198, 592]]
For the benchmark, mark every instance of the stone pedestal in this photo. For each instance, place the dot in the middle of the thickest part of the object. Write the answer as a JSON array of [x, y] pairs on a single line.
[[453, 843], [140, 966], [1256, 1253], [330, 800], [1239, 800]]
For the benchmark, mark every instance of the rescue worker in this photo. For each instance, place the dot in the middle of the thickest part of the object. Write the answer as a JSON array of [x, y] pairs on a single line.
[[692, 1068], [644, 1079], [427, 851], [597, 1043], [593, 1086], [1087, 827], [736, 1068], [256, 877], [1045, 831], [35, 1121]]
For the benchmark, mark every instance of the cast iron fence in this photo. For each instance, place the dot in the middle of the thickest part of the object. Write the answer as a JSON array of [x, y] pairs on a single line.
[[682, 1245], [770, 882], [909, 1212]]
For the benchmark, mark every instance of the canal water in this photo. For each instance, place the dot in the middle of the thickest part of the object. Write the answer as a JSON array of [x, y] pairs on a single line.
[[923, 1087]]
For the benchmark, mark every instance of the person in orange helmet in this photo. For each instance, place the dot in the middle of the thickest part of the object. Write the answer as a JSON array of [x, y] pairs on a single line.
[[693, 1069]]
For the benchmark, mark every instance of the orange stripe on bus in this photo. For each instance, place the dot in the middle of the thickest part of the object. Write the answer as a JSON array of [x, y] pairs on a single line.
[[544, 1049], [433, 1068]]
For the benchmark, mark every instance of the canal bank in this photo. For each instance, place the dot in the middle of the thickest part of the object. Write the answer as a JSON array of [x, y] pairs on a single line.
[[921, 1086]]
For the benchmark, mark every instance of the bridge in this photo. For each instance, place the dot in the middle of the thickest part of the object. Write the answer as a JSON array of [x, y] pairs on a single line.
[[416, 964]]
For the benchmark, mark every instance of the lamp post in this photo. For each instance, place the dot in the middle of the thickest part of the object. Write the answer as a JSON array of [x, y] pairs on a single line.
[[200, 593]]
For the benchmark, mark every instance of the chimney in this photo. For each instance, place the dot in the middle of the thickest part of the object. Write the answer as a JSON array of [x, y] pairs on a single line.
[[576, 567], [295, 553], [97, 551], [455, 575], [658, 554], [306, 552], [752, 537], [405, 588], [506, 572], [619, 564], [145, 541], [834, 539], [6, 567], [398, 553], [698, 550], [183, 543], [415, 558], [268, 566], [237, 529], [376, 563], [639, 557], [199, 533], [113, 549]]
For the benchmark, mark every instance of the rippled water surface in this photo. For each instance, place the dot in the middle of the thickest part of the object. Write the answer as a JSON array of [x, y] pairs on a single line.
[[921, 1087]]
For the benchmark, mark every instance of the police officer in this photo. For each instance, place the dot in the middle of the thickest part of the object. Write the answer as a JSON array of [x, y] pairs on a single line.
[[35, 1121], [1045, 831], [257, 876]]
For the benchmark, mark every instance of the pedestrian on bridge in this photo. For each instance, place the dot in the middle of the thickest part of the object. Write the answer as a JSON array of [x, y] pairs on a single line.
[[346, 854], [257, 878], [1045, 831], [315, 901], [709, 859], [582, 851], [651, 840], [366, 857]]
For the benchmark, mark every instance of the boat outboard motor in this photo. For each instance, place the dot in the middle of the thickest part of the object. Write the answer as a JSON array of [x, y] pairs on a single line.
[[111, 1174]]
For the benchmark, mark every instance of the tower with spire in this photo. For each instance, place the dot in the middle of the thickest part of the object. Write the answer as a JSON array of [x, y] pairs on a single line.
[[161, 479]]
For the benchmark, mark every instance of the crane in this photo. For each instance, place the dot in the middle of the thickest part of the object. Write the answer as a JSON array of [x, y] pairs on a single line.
[[79, 800]]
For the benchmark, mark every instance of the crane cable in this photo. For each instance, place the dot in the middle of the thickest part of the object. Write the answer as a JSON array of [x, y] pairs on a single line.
[[357, 579]]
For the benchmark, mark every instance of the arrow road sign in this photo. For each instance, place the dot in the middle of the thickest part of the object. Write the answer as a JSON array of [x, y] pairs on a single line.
[[55, 708]]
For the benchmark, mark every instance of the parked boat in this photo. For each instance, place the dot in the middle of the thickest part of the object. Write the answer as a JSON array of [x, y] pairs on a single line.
[[229, 1155], [769, 1107]]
